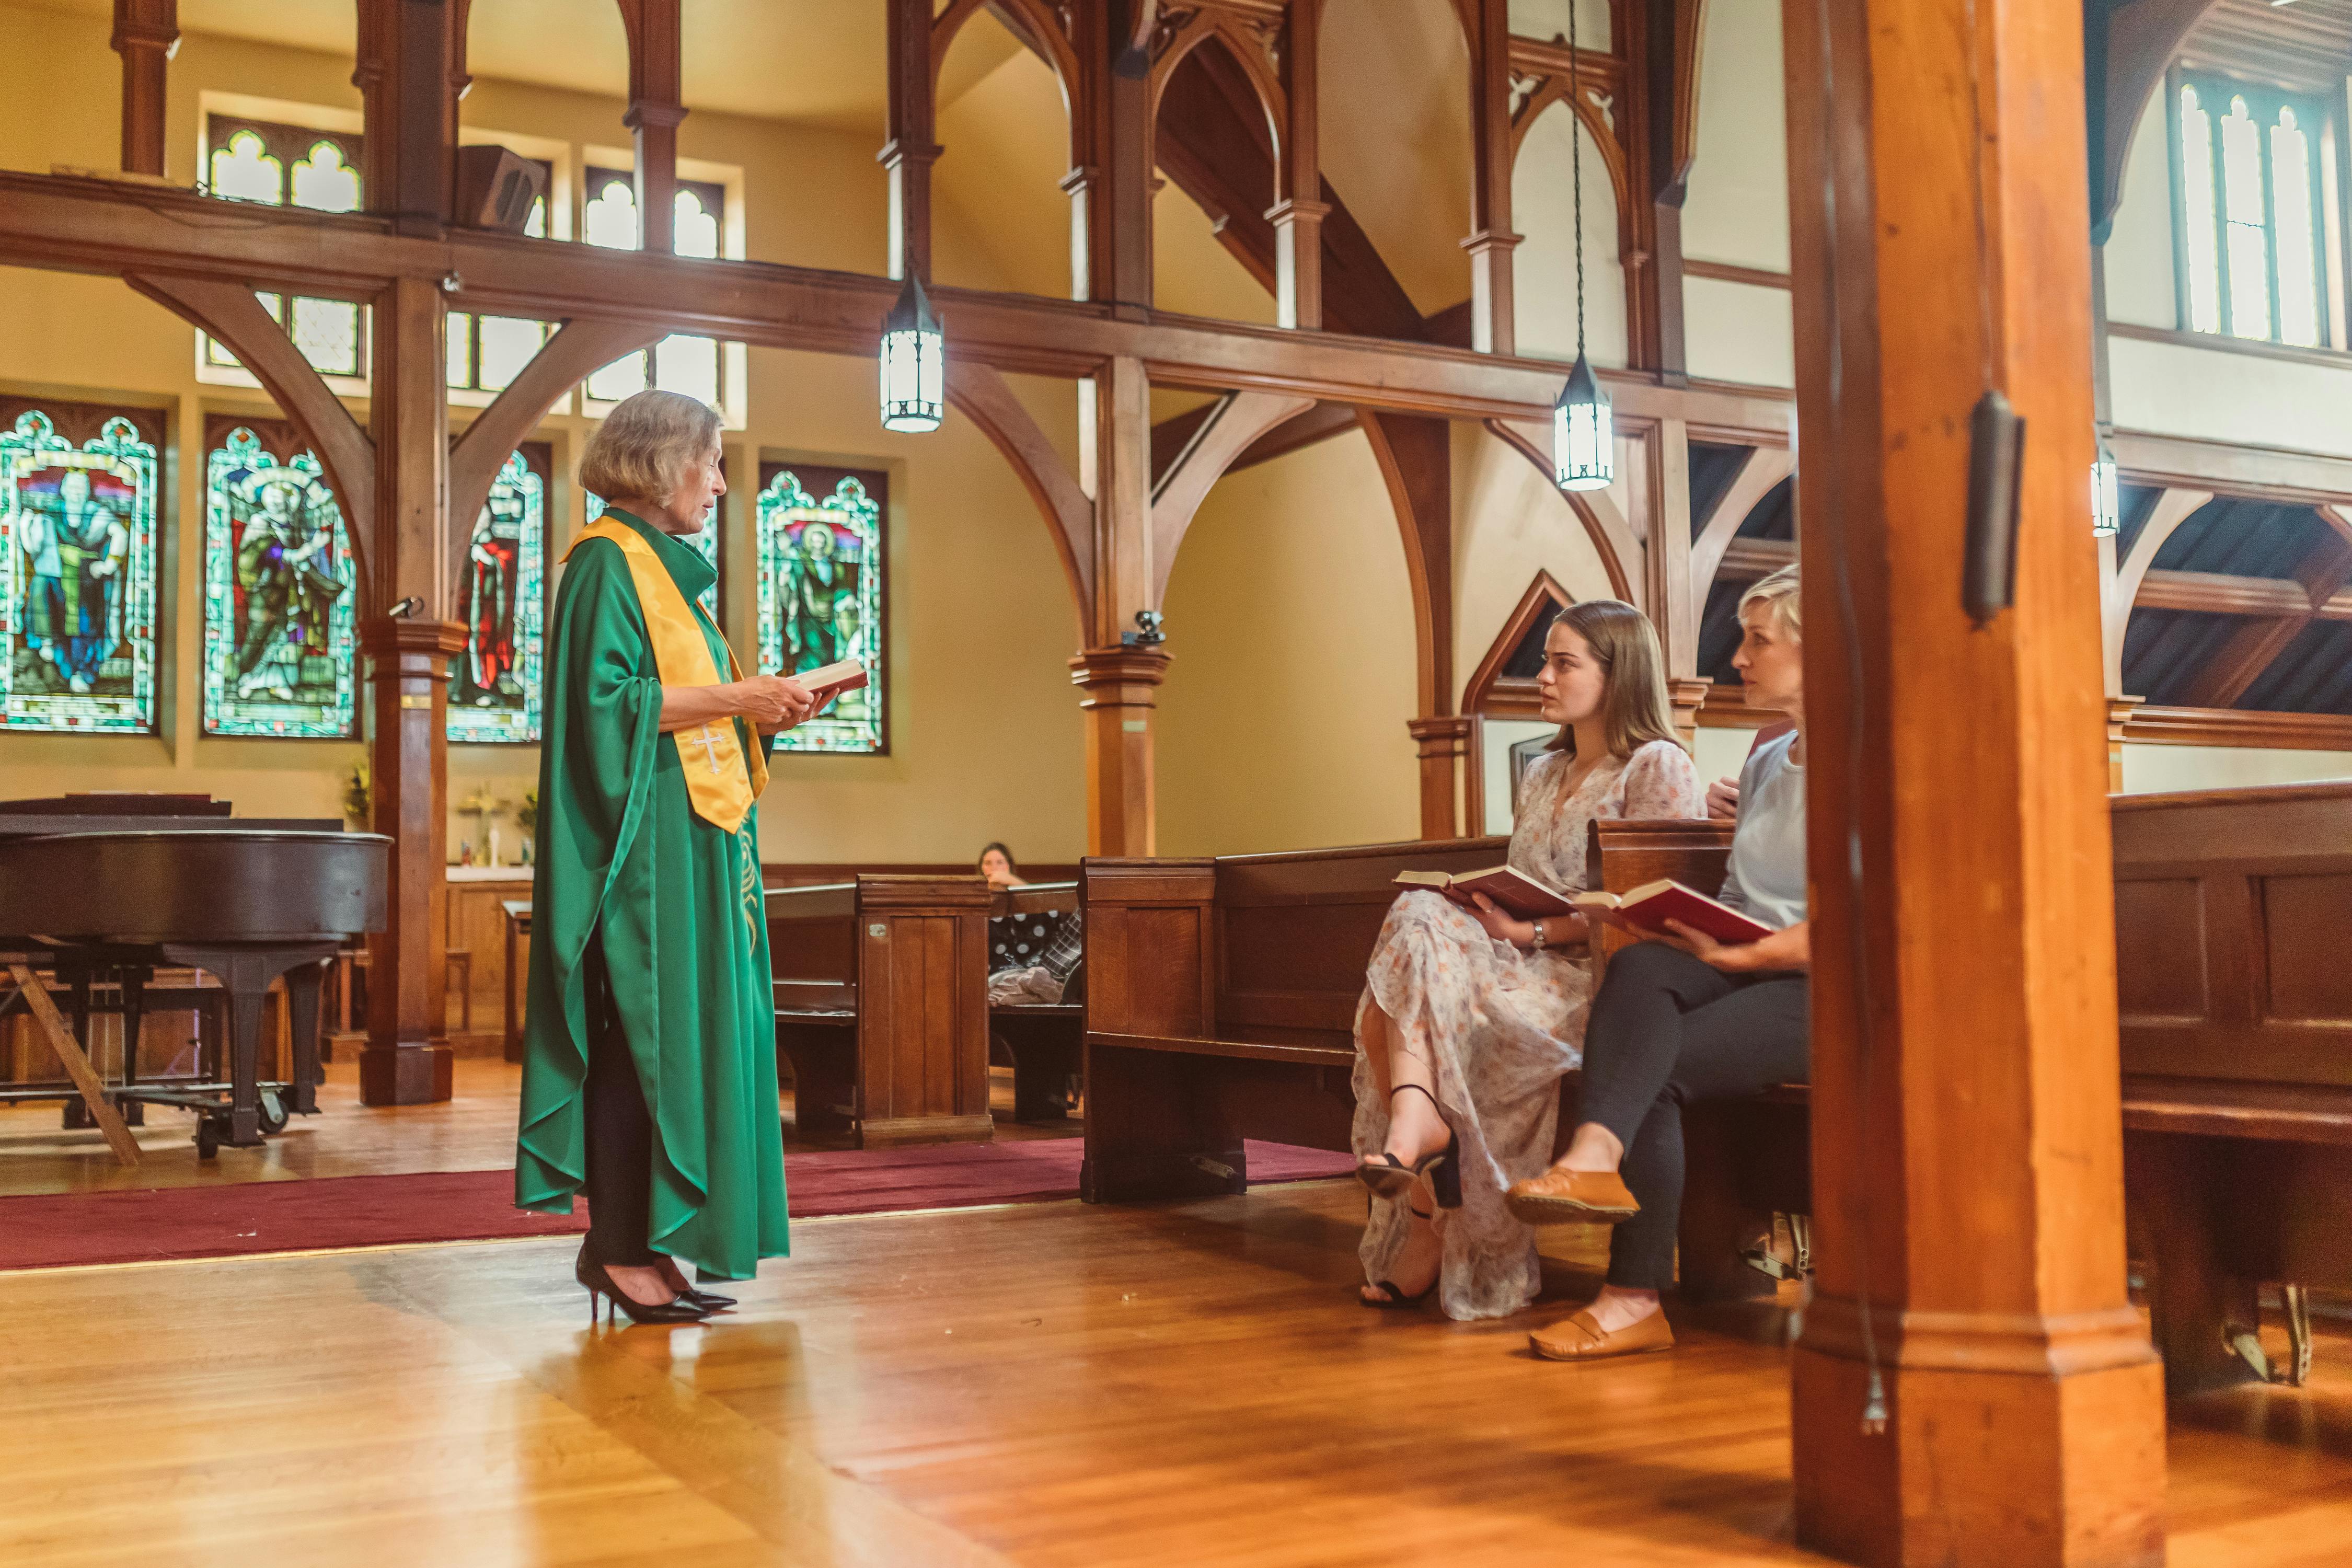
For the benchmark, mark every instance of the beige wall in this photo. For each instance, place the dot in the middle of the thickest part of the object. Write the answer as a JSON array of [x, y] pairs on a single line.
[[1283, 720]]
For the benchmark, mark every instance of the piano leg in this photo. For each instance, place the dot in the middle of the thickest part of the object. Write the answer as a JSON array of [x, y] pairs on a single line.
[[133, 980], [302, 1006], [245, 974], [76, 1116]]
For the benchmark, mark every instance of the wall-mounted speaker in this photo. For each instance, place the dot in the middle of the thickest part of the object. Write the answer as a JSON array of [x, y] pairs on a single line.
[[496, 188]]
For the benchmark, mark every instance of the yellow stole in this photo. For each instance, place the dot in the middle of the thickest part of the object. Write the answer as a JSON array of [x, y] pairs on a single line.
[[723, 779]]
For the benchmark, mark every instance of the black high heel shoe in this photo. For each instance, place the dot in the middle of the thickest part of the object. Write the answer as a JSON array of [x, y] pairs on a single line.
[[593, 1278], [1393, 1297], [708, 1300], [1390, 1177]]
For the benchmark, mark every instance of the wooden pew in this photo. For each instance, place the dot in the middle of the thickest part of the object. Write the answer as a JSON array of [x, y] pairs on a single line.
[[882, 1006], [1043, 1041], [2231, 912], [1220, 1002]]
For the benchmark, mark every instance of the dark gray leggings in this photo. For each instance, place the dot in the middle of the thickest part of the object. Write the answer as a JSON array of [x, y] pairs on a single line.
[[619, 1131], [1665, 1031]]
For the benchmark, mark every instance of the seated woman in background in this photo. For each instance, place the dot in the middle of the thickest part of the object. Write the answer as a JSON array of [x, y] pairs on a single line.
[[1688, 1018], [996, 865], [1469, 1017]]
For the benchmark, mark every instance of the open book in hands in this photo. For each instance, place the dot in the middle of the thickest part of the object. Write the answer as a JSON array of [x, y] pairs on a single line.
[[831, 681], [1515, 893], [1645, 910]]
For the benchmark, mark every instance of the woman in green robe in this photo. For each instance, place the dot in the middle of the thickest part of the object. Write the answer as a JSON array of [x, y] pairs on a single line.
[[649, 1070]]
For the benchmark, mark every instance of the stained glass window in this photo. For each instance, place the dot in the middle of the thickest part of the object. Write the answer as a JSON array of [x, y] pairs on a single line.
[[822, 594], [494, 686], [280, 653], [681, 361], [2249, 193], [262, 160], [704, 540], [77, 542]]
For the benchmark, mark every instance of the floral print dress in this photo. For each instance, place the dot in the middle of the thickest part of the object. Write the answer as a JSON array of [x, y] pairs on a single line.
[[1498, 1027]]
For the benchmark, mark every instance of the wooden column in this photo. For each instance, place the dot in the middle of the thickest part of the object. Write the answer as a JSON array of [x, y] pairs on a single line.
[[1299, 209], [1119, 689], [1110, 189], [1119, 680], [654, 109], [406, 1058], [403, 77], [913, 146], [1666, 49], [1675, 599], [1965, 1120], [146, 35], [1491, 243], [1443, 744]]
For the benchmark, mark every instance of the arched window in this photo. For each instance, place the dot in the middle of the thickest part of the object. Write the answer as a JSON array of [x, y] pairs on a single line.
[[2248, 203], [77, 542], [494, 688], [281, 645], [822, 595]]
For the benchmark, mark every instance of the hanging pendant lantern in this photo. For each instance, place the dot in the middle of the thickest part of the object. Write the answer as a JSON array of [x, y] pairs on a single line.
[[1583, 439], [914, 365], [2106, 495]]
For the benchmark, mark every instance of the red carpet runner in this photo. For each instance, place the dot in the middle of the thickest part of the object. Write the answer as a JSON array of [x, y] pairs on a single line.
[[235, 1218]]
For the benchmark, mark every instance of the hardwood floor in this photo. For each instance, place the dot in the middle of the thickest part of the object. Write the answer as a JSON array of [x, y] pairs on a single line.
[[1053, 1385], [474, 1130]]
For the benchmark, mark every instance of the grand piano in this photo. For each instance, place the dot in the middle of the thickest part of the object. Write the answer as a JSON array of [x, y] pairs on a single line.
[[106, 888]]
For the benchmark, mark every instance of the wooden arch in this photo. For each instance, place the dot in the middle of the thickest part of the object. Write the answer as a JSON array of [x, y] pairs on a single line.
[[1488, 688], [1035, 22], [981, 394], [1207, 24], [1415, 456], [1620, 553], [1552, 94]]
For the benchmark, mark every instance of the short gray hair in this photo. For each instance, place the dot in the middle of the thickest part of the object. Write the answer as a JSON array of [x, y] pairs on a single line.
[[648, 445], [1777, 594]]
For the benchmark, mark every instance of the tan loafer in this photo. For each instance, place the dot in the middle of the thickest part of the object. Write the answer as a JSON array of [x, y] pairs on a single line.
[[1580, 1338], [1559, 1198]]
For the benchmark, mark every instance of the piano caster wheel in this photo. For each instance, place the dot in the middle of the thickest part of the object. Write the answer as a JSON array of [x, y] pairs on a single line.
[[134, 1113], [77, 1117], [273, 1112], [208, 1138]]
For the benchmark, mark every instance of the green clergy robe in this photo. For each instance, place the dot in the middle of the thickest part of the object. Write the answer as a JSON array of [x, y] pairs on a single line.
[[684, 928]]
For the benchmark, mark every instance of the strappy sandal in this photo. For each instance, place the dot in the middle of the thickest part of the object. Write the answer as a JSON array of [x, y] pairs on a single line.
[[1393, 1299], [1390, 1177]]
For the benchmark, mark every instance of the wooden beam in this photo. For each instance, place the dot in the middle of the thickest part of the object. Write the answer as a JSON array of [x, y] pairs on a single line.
[[1300, 209], [1110, 189], [2129, 46], [2322, 576], [987, 399], [1674, 600], [657, 107], [1492, 241], [1119, 680], [231, 314], [1235, 422], [1668, 42], [2172, 508], [579, 347], [1415, 456], [1759, 475], [146, 35], [1973, 1384], [409, 111], [913, 146], [90, 225]]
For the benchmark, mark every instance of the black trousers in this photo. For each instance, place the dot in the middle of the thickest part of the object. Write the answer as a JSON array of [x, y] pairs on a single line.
[[1666, 1030], [619, 1131]]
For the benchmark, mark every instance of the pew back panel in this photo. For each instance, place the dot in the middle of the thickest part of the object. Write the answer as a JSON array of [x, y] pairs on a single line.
[[882, 1005], [2230, 912]]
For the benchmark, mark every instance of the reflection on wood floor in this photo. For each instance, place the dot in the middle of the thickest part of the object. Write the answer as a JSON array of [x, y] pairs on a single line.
[[473, 1131], [1053, 1385]]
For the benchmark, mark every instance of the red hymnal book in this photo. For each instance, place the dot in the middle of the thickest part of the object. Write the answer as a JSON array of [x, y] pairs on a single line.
[[1646, 909], [1514, 892], [830, 682]]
